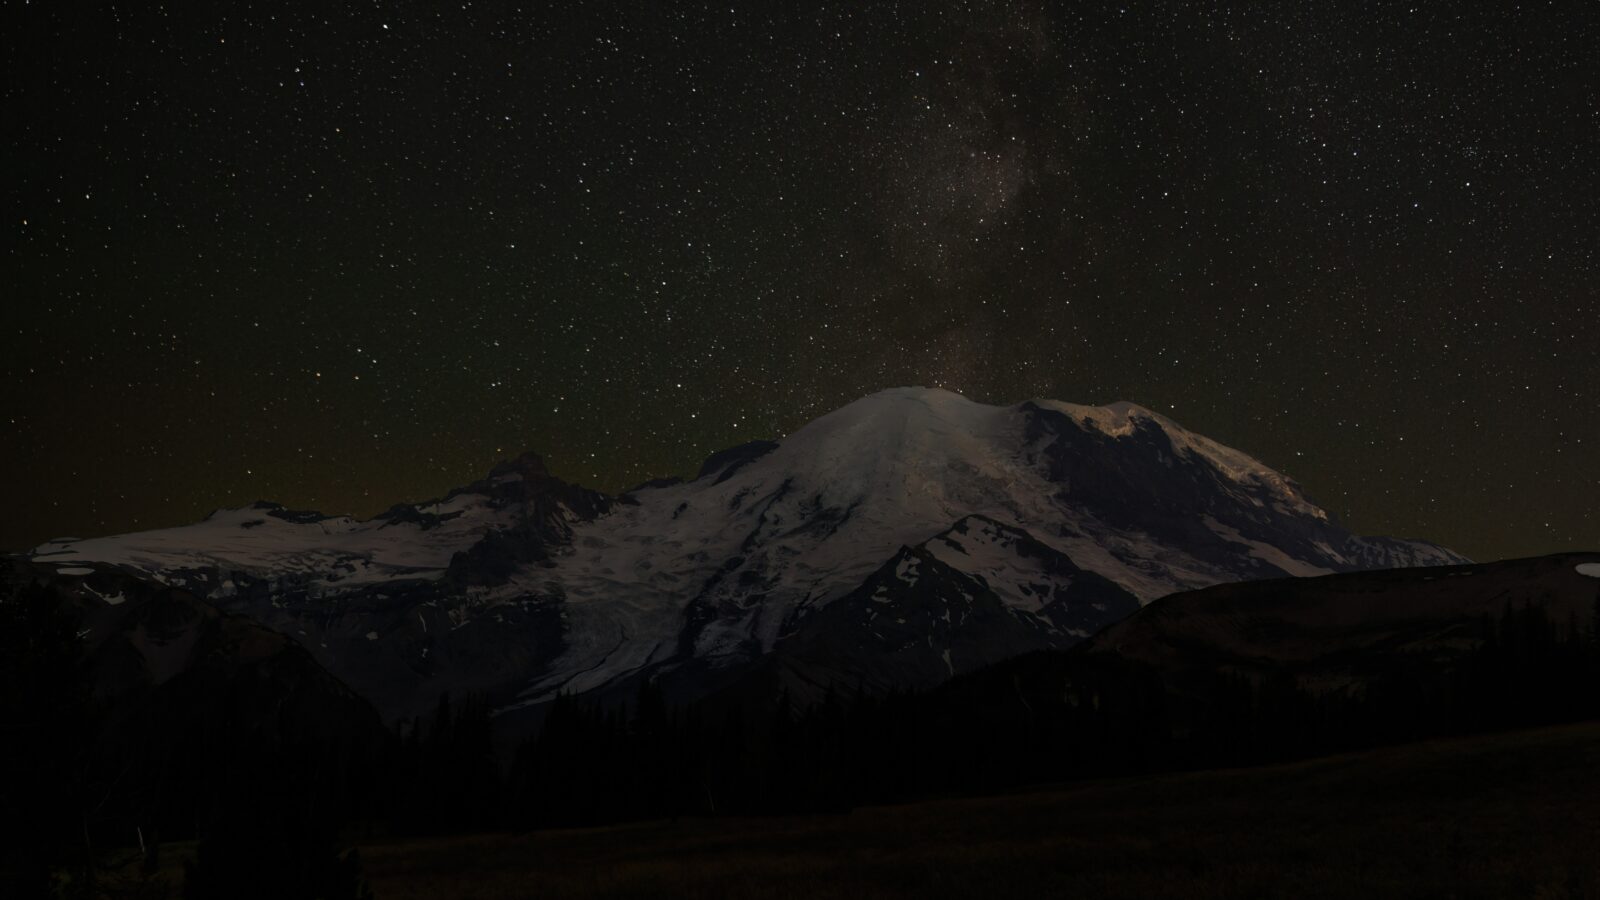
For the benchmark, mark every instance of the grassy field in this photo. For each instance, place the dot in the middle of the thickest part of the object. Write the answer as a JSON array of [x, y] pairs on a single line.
[[1515, 815]]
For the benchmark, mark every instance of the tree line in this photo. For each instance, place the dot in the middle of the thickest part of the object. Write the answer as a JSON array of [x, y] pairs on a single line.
[[273, 810], [1050, 716]]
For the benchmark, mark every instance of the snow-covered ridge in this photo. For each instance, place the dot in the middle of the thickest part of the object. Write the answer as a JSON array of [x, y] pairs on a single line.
[[933, 452], [264, 542]]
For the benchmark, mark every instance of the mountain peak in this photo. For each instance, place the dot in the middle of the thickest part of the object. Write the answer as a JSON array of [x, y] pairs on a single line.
[[912, 392], [520, 583], [905, 397], [1129, 408]]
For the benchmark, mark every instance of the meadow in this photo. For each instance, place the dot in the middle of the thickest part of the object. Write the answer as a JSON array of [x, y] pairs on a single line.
[[1505, 815]]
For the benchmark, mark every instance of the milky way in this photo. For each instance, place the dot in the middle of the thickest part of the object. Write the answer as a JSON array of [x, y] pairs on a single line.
[[345, 257]]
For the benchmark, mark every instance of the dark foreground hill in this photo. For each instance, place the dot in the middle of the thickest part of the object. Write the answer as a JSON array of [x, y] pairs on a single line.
[[1508, 815], [1279, 670]]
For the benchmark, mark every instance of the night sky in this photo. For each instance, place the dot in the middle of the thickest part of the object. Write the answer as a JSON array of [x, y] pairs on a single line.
[[352, 254]]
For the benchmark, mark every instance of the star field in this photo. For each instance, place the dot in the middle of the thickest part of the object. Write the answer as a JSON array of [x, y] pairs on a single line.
[[344, 256]]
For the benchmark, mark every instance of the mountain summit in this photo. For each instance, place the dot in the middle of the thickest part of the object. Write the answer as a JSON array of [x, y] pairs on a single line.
[[905, 537]]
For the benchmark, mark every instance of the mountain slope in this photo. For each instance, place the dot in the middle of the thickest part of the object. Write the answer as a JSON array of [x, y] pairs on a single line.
[[1027, 526], [1336, 634]]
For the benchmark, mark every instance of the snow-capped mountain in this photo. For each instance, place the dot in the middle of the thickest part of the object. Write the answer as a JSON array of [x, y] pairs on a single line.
[[905, 537]]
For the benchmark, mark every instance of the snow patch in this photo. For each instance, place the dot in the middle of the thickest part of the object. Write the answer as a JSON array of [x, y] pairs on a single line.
[[326, 555], [1267, 553], [110, 599], [1590, 569]]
